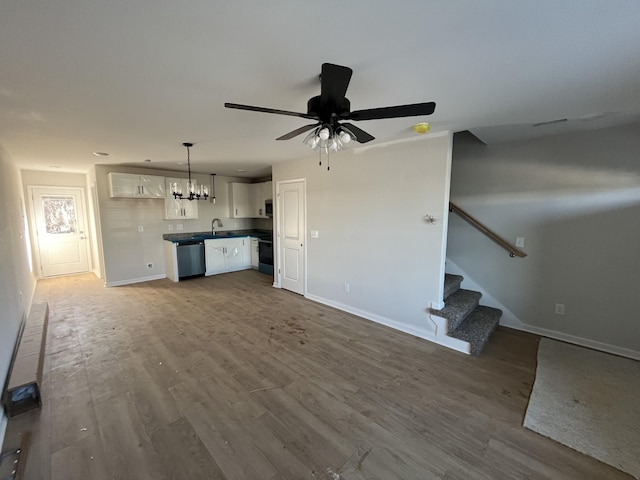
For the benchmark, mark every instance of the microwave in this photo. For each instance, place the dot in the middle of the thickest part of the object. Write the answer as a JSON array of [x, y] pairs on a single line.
[[268, 208]]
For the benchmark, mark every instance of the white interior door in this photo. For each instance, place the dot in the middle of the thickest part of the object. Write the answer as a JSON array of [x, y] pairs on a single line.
[[61, 230], [291, 255]]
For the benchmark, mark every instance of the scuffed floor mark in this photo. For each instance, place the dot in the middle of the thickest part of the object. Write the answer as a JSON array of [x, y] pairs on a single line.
[[362, 458]]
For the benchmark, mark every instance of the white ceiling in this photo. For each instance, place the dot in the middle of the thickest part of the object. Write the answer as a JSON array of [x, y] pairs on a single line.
[[137, 78]]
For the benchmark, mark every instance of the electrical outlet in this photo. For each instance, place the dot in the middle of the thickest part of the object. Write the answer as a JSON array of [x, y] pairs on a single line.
[[520, 242], [314, 233], [347, 287], [170, 227], [559, 309], [179, 227], [149, 266], [140, 228]]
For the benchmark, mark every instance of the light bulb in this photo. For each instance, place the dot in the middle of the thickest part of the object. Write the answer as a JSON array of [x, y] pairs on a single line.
[[324, 133], [345, 137]]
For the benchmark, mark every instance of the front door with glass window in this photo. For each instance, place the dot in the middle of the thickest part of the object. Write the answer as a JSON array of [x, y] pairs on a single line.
[[60, 229]]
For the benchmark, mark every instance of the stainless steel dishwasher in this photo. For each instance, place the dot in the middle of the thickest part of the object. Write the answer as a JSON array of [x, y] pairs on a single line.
[[191, 261]]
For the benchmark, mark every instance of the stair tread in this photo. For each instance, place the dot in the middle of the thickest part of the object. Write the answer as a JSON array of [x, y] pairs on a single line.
[[451, 283], [477, 327], [457, 306]]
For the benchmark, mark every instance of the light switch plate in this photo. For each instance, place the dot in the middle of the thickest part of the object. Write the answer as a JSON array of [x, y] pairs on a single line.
[[314, 233], [520, 242]]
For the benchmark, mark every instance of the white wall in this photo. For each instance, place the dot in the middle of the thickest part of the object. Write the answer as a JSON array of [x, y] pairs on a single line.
[[17, 284], [126, 251], [369, 211], [576, 200]]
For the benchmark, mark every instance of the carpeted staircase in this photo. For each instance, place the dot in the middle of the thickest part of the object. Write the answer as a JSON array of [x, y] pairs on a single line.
[[466, 319]]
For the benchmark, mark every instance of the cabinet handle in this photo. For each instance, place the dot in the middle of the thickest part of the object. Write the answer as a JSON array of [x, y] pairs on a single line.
[[236, 212]]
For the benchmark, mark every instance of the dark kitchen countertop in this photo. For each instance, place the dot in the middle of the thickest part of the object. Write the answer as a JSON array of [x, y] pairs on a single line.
[[183, 236]]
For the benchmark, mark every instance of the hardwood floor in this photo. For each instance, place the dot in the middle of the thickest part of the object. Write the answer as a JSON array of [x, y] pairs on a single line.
[[225, 377]]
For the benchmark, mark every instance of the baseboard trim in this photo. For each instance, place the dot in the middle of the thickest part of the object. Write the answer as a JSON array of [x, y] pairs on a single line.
[[583, 342], [134, 280], [416, 332]]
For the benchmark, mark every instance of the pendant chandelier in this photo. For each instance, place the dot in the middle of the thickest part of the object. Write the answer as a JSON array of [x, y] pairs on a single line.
[[195, 192], [328, 138]]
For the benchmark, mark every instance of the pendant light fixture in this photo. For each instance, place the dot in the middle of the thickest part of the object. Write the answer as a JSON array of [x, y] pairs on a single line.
[[195, 192]]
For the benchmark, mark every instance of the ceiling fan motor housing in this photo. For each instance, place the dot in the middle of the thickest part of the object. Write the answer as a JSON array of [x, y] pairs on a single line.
[[328, 111]]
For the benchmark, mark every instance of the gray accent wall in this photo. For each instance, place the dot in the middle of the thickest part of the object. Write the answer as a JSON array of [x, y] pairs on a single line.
[[576, 200], [369, 212], [17, 283]]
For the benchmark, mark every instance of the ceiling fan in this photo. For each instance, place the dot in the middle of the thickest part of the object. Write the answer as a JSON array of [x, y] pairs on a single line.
[[331, 108]]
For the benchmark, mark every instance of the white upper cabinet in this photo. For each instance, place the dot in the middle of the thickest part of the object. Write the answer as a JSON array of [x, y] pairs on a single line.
[[127, 185], [248, 199], [240, 204], [176, 208]]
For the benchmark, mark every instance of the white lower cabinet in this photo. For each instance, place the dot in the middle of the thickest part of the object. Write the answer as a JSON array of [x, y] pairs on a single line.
[[227, 255]]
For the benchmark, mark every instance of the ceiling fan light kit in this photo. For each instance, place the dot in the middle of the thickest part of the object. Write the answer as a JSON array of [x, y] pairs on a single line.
[[195, 192], [331, 107]]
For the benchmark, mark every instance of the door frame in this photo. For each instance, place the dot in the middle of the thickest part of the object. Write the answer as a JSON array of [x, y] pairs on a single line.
[[277, 251], [35, 241]]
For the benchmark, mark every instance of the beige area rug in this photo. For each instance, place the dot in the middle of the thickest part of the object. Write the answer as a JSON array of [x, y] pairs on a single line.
[[589, 401]]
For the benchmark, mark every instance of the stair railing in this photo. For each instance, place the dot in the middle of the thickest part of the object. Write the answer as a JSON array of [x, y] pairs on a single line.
[[513, 250]]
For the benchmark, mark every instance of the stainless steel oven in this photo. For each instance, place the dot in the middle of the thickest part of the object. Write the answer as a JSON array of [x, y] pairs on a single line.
[[265, 256]]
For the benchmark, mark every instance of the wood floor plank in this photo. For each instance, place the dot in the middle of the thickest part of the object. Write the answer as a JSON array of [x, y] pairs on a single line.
[[233, 451], [128, 450], [80, 461], [71, 406], [225, 377], [183, 454]]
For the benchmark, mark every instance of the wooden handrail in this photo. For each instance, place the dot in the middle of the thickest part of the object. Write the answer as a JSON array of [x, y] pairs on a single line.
[[513, 251]]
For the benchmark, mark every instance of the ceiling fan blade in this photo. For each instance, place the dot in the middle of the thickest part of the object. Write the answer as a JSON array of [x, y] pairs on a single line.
[[413, 110], [297, 131], [269, 110], [361, 135], [334, 83]]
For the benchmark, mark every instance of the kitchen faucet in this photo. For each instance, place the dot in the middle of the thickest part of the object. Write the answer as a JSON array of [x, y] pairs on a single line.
[[213, 222]]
